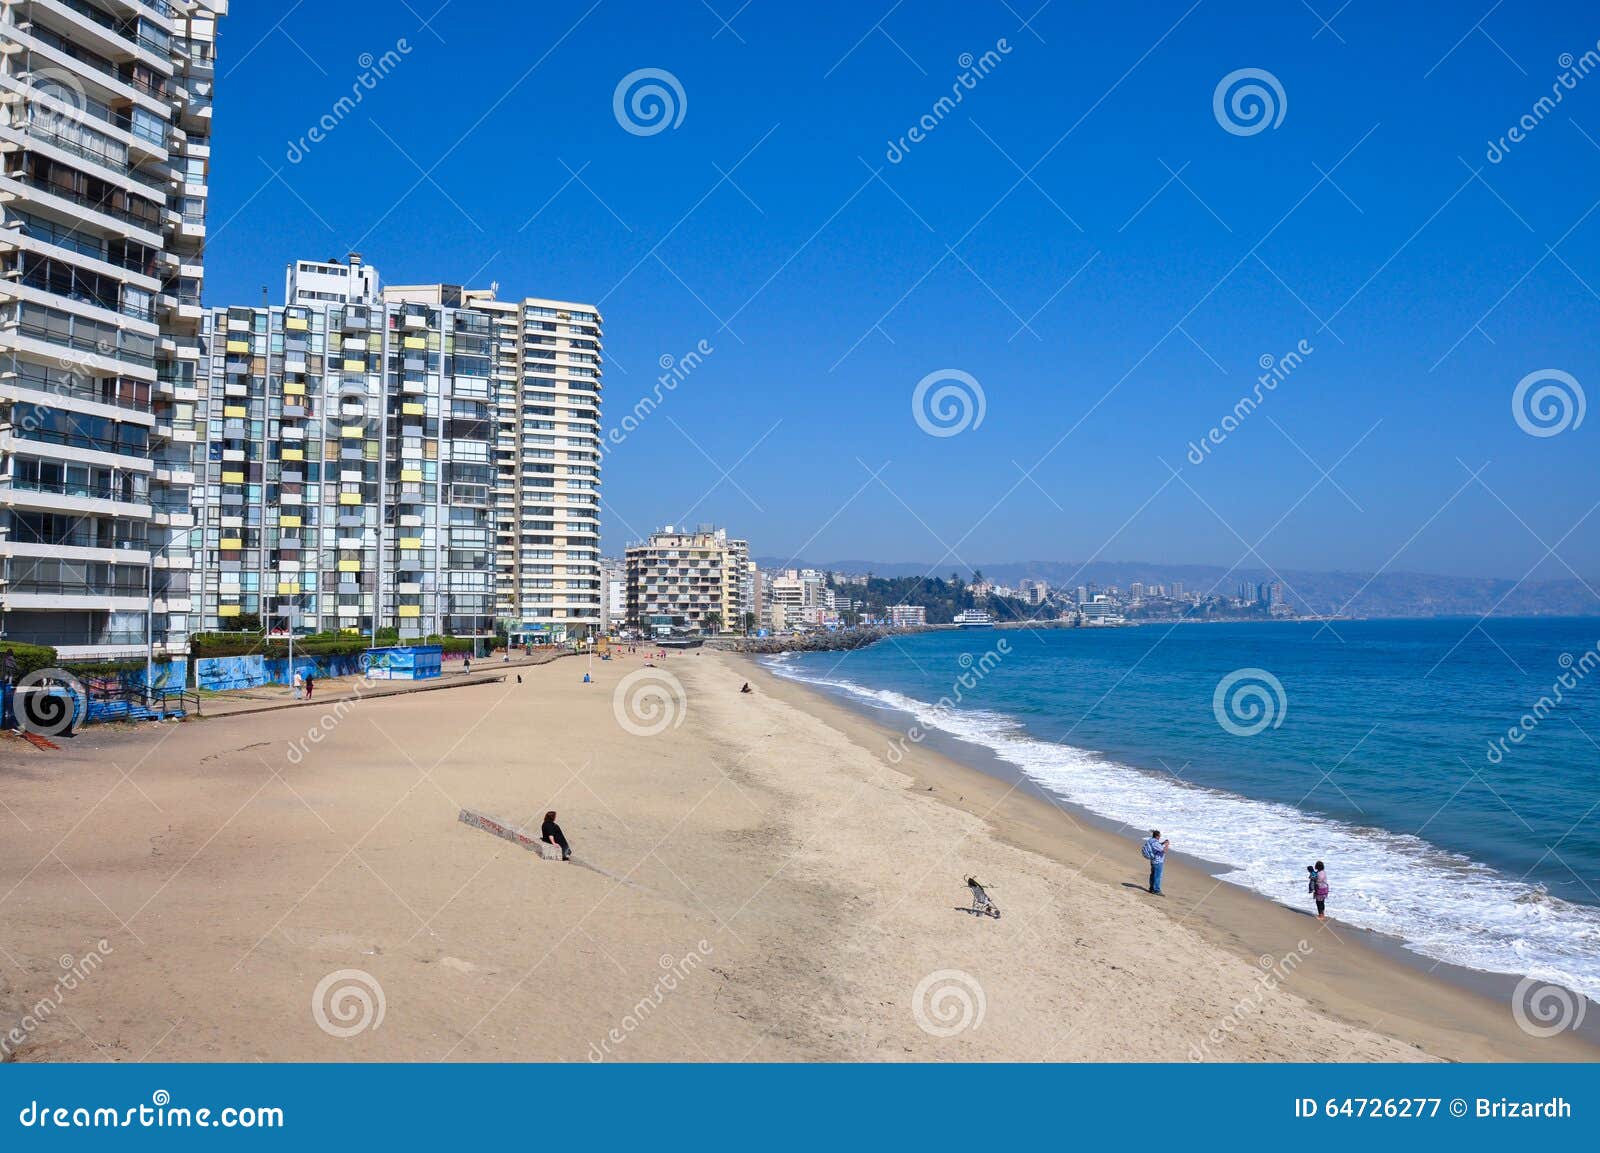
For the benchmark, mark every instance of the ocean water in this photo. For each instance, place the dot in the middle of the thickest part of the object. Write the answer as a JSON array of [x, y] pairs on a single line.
[[1371, 745]]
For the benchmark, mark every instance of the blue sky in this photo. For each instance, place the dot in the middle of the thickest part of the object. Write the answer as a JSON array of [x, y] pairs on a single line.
[[1081, 235]]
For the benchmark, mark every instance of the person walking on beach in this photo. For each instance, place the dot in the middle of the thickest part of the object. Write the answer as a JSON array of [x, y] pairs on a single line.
[[551, 833], [311, 683], [1155, 851], [1318, 884], [299, 685]]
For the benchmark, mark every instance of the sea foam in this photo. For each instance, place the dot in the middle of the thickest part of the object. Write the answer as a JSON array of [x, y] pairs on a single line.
[[1440, 905]]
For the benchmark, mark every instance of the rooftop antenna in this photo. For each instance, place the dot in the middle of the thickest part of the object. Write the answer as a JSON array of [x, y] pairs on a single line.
[[264, 300]]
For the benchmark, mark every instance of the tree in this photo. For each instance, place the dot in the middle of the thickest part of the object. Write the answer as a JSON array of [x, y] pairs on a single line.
[[749, 623], [712, 622]]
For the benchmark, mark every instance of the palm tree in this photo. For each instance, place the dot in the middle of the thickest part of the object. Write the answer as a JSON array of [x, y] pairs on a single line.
[[712, 622]]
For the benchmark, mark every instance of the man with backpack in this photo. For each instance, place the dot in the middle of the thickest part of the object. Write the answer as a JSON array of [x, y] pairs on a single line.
[[1155, 851]]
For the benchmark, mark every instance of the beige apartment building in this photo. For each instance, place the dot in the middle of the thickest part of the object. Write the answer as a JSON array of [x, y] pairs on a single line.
[[683, 581]]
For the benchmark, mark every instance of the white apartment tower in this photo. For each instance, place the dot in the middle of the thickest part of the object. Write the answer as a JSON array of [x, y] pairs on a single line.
[[421, 458], [549, 495], [105, 122]]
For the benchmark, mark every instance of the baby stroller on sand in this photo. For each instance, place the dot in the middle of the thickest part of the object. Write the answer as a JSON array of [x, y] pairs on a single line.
[[982, 906]]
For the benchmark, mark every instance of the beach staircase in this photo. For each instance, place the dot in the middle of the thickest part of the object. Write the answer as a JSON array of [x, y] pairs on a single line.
[[133, 704]]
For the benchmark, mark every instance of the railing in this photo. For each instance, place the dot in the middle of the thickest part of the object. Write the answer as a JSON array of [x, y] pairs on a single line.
[[64, 488], [104, 390], [78, 588], [89, 202], [81, 344], [99, 156], [79, 440], [130, 639], [105, 703]]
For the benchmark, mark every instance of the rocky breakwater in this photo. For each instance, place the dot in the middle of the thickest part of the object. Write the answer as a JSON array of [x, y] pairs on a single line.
[[820, 642]]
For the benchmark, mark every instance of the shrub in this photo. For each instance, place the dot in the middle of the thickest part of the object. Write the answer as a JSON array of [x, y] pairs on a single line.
[[29, 658]]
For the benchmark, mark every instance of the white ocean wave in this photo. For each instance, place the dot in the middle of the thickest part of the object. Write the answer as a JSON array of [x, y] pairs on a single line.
[[1440, 904]]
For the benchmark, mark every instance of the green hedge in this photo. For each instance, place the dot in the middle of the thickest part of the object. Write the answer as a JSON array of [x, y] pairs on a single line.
[[108, 668], [29, 658], [203, 645]]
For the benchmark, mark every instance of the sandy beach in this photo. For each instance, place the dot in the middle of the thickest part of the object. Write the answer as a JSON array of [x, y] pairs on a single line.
[[754, 881]]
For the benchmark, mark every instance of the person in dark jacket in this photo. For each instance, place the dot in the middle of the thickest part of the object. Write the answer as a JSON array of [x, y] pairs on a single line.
[[551, 833]]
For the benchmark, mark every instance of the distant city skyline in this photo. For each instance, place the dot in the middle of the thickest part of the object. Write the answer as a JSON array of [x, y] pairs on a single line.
[[1349, 295]]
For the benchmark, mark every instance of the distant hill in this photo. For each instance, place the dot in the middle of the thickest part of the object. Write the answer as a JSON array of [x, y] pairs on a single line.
[[1390, 594]]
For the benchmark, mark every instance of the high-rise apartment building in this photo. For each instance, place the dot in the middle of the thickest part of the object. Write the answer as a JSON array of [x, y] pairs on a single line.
[[548, 462], [547, 371], [795, 597], [689, 580], [105, 122], [347, 476], [357, 445]]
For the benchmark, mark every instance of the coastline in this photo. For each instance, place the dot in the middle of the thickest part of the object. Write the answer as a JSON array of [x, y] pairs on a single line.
[[1356, 976], [752, 880]]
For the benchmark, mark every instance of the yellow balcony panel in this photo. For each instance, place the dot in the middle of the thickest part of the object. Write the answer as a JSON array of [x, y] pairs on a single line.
[[408, 610], [296, 323], [411, 409], [238, 346], [288, 587], [233, 478], [411, 474], [353, 430], [416, 342], [349, 566], [293, 388], [355, 366], [287, 521], [349, 498], [235, 410], [411, 542], [227, 610], [294, 454], [231, 542]]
